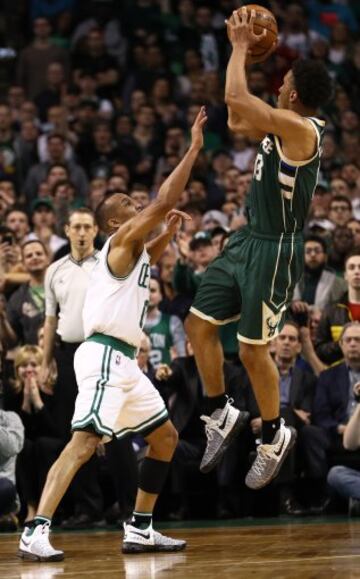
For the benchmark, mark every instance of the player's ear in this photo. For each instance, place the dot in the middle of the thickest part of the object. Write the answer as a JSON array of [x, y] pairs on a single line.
[[293, 96], [113, 223], [66, 230]]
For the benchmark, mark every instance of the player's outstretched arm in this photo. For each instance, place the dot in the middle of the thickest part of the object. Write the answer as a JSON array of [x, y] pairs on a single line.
[[258, 114], [138, 228]]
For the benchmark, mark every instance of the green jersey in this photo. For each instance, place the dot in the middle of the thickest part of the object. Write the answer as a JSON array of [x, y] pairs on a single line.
[[281, 190]]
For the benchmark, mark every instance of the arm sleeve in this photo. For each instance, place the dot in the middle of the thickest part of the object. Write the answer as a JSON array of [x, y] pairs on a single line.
[[50, 298], [11, 434], [178, 335]]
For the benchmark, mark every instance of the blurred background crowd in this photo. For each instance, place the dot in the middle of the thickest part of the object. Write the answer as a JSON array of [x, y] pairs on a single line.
[[99, 96]]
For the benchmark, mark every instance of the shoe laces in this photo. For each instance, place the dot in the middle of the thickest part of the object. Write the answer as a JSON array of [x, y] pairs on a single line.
[[260, 461], [212, 423]]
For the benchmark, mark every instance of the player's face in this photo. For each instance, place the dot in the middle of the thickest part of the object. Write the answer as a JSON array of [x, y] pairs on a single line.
[[126, 208], [81, 231], [285, 91]]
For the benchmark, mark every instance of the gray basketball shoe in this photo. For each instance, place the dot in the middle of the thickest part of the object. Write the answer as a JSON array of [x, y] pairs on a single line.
[[270, 457], [147, 541], [221, 428]]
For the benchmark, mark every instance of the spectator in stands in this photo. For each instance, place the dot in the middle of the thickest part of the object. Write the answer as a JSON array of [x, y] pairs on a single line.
[[26, 307], [166, 332], [342, 479], [354, 225], [334, 404], [340, 210], [52, 93], [18, 221], [319, 285], [199, 252], [43, 221], [39, 172], [35, 58], [8, 158], [33, 402], [336, 316], [342, 244], [95, 58], [11, 443]]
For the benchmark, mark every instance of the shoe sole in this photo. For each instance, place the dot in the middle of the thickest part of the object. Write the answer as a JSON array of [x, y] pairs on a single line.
[[281, 462], [136, 548], [25, 556], [238, 426]]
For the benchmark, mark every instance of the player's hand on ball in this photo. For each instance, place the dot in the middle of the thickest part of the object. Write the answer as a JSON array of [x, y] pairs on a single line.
[[174, 220], [197, 137], [241, 29]]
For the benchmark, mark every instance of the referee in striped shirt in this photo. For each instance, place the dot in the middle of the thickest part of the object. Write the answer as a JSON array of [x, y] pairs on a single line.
[[66, 282]]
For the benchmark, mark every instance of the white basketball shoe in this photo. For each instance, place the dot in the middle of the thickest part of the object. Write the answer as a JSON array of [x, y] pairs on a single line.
[[147, 540], [35, 545]]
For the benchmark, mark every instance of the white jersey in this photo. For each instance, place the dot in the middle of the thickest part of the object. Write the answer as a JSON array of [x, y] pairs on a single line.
[[117, 306]]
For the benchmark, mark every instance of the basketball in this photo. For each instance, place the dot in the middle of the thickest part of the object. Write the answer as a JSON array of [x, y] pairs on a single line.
[[263, 19]]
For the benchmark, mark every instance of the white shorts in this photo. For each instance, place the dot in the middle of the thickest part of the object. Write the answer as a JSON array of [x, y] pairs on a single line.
[[115, 397]]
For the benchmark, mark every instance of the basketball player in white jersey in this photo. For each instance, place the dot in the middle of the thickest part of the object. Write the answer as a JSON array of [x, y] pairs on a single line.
[[114, 397]]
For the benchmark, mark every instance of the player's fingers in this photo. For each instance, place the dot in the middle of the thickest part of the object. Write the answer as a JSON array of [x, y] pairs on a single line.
[[237, 18], [181, 214], [252, 18]]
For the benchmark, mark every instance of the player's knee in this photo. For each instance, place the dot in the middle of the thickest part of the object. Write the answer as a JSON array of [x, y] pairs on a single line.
[[82, 446], [165, 444], [171, 437]]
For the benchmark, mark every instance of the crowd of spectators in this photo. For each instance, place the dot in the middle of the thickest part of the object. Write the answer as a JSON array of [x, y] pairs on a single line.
[[99, 96]]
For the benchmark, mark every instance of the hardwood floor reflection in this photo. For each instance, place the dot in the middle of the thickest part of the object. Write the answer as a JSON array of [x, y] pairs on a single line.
[[280, 551]]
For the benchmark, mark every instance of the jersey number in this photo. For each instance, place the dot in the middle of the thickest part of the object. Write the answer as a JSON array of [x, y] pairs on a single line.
[[258, 167]]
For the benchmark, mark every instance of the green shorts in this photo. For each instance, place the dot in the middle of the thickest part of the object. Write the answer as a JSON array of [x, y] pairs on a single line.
[[252, 281]]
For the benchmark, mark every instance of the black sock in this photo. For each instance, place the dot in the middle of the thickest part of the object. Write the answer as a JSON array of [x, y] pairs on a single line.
[[269, 429], [141, 520], [214, 402]]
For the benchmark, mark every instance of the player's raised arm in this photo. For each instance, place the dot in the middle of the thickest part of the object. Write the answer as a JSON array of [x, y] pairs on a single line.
[[170, 191], [285, 123]]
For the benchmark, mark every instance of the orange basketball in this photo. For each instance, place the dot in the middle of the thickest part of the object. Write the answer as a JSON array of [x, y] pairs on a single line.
[[263, 19]]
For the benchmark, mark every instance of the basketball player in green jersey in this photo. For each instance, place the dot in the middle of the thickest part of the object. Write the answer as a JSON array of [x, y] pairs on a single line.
[[254, 278]]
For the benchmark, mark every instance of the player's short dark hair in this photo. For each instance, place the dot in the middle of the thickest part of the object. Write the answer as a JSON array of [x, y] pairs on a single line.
[[312, 82], [317, 239], [103, 210]]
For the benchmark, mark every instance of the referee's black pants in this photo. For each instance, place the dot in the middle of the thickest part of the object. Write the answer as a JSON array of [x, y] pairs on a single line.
[[85, 487]]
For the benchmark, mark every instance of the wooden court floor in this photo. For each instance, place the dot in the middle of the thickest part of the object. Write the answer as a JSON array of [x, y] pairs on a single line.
[[304, 551]]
